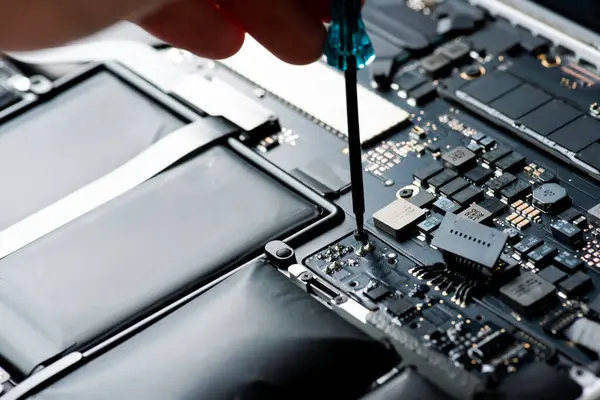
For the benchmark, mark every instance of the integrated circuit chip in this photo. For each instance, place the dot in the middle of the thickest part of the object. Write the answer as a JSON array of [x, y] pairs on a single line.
[[527, 244], [453, 186], [528, 293], [459, 158], [423, 199], [479, 175], [500, 182], [444, 205], [397, 217], [423, 175], [511, 163], [476, 214], [492, 156], [316, 90], [468, 195], [515, 191], [493, 205], [442, 178], [576, 284], [429, 226]]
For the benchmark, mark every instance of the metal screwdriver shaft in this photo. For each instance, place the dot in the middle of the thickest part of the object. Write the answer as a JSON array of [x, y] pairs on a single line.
[[354, 147], [349, 49]]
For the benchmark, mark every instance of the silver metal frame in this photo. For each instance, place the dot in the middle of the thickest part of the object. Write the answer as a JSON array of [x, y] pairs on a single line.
[[584, 43]]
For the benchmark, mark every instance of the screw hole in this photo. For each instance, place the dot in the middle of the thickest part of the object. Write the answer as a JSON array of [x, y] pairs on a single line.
[[353, 284]]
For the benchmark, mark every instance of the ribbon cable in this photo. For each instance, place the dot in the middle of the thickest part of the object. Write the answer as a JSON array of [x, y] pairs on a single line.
[[151, 162]]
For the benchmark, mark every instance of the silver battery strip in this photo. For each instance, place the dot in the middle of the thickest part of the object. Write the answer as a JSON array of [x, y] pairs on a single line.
[[213, 96], [140, 169]]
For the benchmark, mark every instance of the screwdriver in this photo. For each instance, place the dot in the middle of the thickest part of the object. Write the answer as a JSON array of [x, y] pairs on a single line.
[[349, 49]]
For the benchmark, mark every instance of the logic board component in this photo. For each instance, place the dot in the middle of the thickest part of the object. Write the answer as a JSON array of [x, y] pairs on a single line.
[[566, 232], [528, 293], [459, 158], [397, 217], [551, 198], [576, 284], [299, 85], [476, 214], [469, 244]]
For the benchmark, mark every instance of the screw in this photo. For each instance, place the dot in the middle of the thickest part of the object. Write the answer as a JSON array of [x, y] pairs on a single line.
[[305, 276], [341, 299]]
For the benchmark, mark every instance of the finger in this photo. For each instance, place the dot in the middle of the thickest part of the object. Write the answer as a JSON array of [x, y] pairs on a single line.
[[320, 9], [44, 23], [197, 26], [283, 26]]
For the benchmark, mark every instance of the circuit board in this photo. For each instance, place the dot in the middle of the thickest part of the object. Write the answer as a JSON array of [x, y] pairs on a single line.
[[451, 161], [482, 188]]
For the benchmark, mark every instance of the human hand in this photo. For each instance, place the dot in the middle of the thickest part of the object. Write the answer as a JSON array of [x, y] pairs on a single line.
[[291, 29]]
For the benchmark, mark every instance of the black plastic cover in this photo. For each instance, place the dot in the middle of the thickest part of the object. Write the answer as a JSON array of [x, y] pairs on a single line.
[[138, 252], [254, 336]]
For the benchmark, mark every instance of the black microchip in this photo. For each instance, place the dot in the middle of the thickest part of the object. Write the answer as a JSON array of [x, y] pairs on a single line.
[[468, 195], [422, 95], [527, 244], [377, 293], [566, 232], [435, 64], [552, 274], [495, 39], [595, 305], [468, 240], [491, 157], [475, 147], [542, 255], [421, 176], [511, 163], [589, 155], [500, 182], [455, 50], [549, 117], [487, 142], [442, 178], [453, 186], [578, 134], [493, 205], [444, 205], [428, 226], [479, 175], [515, 191], [477, 136], [409, 81], [568, 262], [476, 214], [491, 86], [423, 199], [576, 284], [571, 214], [520, 101], [459, 158], [528, 293], [399, 307]]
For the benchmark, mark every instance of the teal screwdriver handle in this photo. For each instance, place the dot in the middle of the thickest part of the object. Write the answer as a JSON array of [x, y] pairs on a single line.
[[348, 36]]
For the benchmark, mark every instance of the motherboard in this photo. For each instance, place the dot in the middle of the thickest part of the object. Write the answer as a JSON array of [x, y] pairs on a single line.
[[482, 201], [481, 160]]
